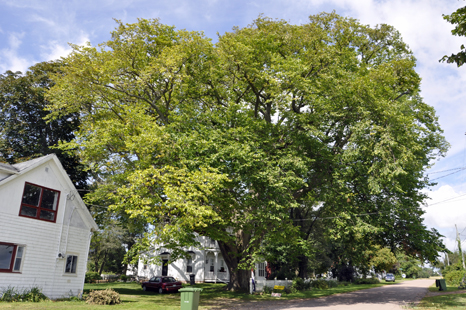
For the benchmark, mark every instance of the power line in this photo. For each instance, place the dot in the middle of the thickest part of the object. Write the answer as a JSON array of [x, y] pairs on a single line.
[[459, 168], [445, 200], [449, 174]]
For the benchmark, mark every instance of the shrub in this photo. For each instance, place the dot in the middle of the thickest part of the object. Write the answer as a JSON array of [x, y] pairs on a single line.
[[34, 294], [267, 290], [298, 284], [10, 294], [319, 284], [332, 283], [124, 278], [92, 277], [367, 281], [103, 297], [453, 278], [423, 274]]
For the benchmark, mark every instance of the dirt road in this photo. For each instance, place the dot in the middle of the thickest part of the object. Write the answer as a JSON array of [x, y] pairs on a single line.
[[389, 297]]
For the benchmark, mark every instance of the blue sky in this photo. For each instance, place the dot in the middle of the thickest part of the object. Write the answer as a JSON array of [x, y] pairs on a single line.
[[32, 31]]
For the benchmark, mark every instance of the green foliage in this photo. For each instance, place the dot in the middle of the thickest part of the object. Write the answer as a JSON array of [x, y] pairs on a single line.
[[383, 259], [24, 132], [319, 284], [424, 273], [300, 285], [333, 283], [124, 278], [457, 18], [103, 297], [92, 276], [411, 266], [254, 138], [12, 294], [367, 281], [267, 290], [454, 277]]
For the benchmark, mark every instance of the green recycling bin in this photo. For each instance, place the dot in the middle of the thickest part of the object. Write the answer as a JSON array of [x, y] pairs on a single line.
[[440, 283], [190, 298]]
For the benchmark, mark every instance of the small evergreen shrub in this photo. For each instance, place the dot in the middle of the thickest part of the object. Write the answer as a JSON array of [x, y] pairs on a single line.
[[298, 284], [124, 278], [367, 281], [319, 284], [103, 297]]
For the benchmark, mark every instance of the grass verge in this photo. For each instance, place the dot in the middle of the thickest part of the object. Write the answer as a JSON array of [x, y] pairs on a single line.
[[443, 302], [213, 296]]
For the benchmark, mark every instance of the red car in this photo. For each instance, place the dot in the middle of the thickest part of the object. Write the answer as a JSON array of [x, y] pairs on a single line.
[[161, 284]]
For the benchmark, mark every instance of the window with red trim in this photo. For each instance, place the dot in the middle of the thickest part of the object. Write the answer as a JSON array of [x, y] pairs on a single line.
[[39, 202], [11, 257]]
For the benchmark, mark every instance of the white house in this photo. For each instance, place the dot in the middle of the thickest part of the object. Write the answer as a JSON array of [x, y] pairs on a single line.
[[207, 264], [45, 228]]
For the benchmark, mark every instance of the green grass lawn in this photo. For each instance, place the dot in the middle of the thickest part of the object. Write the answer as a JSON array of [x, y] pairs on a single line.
[[213, 295], [444, 302]]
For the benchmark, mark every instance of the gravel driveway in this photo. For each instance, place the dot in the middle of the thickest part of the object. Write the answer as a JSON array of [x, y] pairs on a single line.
[[380, 298]]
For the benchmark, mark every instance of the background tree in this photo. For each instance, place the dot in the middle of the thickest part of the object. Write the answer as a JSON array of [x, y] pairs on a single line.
[[229, 140], [24, 133], [457, 18]]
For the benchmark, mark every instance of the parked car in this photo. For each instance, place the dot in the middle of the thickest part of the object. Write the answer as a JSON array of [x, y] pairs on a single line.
[[161, 284], [390, 277]]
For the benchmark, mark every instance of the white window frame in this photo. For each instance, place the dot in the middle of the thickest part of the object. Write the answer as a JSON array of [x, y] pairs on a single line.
[[261, 270]]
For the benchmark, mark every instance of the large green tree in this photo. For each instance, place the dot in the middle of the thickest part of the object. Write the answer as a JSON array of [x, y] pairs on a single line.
[[24, 133], [242, 139]]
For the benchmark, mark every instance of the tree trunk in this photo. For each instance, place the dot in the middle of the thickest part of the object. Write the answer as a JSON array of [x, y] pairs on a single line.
[[302, 266], [239, 278]]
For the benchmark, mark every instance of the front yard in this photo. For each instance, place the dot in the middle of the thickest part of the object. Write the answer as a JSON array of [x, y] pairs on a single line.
[[452, 298], [213, 296]]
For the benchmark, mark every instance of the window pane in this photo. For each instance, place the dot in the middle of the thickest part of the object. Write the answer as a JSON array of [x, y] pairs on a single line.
[[49, 199], [47, 215], [28, 211], [6, 252], [69, 263], [31, 195], [19, 252], [73, 266], [17, 266]]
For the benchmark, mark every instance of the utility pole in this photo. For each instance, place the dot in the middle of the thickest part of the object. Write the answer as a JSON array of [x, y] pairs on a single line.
[[458, 239]]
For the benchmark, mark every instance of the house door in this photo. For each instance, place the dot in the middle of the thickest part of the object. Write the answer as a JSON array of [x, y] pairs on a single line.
[[209, 267], [165, 267]]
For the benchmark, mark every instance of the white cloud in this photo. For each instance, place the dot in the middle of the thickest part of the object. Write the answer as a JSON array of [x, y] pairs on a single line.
[[10, 58], [55, 50], [445, 209]]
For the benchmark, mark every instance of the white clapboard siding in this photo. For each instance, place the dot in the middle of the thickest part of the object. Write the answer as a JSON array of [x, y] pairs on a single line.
[[43, 240]]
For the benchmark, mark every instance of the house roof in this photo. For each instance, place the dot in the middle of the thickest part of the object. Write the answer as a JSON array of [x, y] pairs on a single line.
[[8, 168], [15, 170]]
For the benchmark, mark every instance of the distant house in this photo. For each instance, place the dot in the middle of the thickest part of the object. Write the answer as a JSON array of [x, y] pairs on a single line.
[[45, 228], [206, 264]]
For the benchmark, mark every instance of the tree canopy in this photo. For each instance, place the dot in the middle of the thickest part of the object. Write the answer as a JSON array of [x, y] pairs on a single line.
[[254, 137], [457, 18], [24, 133]]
